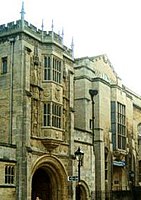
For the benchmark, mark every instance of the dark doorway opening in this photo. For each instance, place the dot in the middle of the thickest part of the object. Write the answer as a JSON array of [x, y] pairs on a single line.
[[80, 193], [41, 185]]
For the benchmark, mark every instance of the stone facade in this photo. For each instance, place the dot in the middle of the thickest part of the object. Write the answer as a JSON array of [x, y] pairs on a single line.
[[46, 113], [117, 118], [37, 113]]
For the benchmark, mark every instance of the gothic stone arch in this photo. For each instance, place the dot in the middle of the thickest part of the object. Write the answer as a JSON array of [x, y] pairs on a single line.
[[49, 179], [84, 191]]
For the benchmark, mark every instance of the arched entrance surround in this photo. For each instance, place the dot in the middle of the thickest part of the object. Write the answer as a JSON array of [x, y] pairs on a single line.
[[83, 189], [49, 179]]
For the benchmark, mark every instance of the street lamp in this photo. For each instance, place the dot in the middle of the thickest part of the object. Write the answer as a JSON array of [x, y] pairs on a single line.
[[79, 155], [92, 94]]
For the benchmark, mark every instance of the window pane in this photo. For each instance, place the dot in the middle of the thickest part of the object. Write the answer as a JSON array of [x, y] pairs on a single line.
[[46, 117], [56, 70], [56, 115], [4, 65], [9, 174], [121, 126], [47, 68]]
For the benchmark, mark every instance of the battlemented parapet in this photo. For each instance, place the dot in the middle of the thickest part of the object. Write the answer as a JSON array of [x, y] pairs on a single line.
[[38, 34]]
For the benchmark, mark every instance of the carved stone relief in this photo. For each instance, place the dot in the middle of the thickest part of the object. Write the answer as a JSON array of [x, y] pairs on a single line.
[[47, 94], [57, 94], [35, 110]]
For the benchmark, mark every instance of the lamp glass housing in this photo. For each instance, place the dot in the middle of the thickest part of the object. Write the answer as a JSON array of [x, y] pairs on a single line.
[[93, 92], [79, 154]]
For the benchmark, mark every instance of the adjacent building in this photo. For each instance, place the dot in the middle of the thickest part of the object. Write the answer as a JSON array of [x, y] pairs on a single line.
[[117, 122]]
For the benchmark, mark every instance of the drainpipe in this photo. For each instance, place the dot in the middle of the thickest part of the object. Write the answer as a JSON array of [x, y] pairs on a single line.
[[12, 44]]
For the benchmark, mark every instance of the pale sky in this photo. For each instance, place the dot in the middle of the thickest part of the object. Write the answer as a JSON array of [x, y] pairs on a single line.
[[111, 27]]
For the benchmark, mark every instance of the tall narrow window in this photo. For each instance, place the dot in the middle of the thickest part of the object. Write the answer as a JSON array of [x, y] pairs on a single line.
[[56, 115], [47, 114], [118, 125], [113, 123], [121, 126], [106, 164], [9, 174], [4, 65], [56, 70], [47, 68]]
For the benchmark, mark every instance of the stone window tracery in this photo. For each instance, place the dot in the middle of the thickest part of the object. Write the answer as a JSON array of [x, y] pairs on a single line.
[[52, 115], [118, 125], [52, 69]]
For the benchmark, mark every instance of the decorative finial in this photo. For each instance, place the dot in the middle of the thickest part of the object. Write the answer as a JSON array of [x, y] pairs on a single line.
[[42, 26], [22, 14], [52, 25], [22, 11], [72, 47], [72, 44], [62, 32], [62, 35]]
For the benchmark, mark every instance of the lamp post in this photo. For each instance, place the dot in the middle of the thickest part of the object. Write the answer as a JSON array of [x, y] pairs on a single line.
[[92, 94], [79, 155]]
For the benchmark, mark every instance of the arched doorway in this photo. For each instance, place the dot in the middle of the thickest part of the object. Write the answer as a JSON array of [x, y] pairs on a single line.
[[41, 185], [49, 180], [82, 192]]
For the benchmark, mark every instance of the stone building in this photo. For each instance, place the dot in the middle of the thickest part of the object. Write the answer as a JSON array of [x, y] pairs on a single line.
[[116, 117], [47, 112], [36, 113]]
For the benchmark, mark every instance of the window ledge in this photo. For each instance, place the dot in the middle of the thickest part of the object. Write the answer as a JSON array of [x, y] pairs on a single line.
[[7, 186]]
